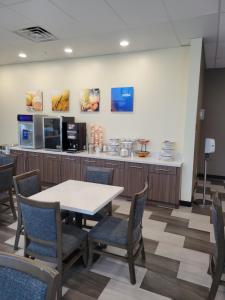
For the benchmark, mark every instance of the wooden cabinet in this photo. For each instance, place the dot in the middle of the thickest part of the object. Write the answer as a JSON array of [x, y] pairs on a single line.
[[51, 172], [164, 185], [136, 175], [34, 161], [164, 181], [21, 166], [70, 168], [89, 162]]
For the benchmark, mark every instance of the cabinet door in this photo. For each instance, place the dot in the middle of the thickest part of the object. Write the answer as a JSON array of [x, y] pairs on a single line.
[[136, 175], [89, 162], [34, 161], [21, 166], [51, 169], [118, 171], [163, 185], [70, 168]]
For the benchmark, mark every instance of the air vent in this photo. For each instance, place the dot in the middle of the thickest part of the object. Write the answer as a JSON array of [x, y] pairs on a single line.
[[36, 34]]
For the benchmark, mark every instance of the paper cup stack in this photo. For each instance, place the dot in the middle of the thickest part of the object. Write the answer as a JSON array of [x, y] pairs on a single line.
[[168, 150]]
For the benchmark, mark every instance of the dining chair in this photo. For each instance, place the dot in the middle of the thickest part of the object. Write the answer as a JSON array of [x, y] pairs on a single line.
[[217, 260], [6, 184], [99, 175], [48, 238], [121, 233], [6, 159], [24, 279], [27, 184]]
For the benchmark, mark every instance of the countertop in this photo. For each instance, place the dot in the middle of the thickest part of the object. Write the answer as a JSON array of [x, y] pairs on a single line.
[[153, 159]]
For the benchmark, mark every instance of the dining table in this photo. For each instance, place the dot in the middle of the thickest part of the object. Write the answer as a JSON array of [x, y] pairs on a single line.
[[80, 197]]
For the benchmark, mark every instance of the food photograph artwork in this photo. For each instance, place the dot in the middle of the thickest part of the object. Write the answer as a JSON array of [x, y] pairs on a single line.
[[122, 99], [89, 100], [60, 100], [34, 101]]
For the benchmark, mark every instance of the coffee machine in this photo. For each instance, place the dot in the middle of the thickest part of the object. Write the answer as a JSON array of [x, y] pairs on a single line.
[[76, 137]]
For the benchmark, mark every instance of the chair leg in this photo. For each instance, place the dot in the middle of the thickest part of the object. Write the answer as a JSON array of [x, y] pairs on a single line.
[[85, 255], [131, 270], [90, 256], [215, 283], [18, 233], [142, 249], [12, 205]]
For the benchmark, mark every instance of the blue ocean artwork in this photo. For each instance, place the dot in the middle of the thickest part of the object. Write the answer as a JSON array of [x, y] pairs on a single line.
[[122, 99]]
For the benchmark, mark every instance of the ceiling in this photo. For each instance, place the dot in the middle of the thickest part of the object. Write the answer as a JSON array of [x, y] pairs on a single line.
[[95, 27]]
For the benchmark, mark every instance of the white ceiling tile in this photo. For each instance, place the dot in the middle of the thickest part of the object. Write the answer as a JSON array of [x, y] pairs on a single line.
[[46, 15], [222, 28], [11, 2], [222, 5], [139, 12], [94, 14], [221, 51], [184, 9], [205, 26], [12, 20], [210, 53]]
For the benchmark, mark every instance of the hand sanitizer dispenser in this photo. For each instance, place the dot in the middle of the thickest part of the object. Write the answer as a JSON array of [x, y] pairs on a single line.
[[209, 146]]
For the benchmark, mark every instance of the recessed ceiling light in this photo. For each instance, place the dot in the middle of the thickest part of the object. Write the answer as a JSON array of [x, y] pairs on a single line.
[[22, 55], [124, 43], [68, 50]]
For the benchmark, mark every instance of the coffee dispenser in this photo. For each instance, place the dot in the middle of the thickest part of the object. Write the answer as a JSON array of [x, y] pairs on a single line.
[[76, 137]]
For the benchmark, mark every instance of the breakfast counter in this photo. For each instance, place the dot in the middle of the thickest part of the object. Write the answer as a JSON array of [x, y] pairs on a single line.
[[164, 177], [153, 159]]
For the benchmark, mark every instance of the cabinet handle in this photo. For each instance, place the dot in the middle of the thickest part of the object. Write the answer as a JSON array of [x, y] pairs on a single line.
[[136, 167], [68, 158], [34, 155], [51, 157], [90, 161], [111, 164], [162, 170]]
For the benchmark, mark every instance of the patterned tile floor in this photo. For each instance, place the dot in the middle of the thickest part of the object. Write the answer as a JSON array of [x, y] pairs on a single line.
[[177, 242]]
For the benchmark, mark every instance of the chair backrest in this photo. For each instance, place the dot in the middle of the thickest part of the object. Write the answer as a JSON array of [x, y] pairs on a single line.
[[136, 214], [6, 159], [6, 177], [218, 226], [24, 279], [42, 227], [100, 175], [27, 184]]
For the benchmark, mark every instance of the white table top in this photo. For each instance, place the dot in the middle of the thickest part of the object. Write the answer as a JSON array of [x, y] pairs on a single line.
[[80, 196]]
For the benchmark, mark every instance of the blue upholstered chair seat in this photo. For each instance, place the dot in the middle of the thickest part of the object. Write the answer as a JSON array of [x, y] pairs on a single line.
[[112, 231], [4, 196], [16, 285], [72, 237]]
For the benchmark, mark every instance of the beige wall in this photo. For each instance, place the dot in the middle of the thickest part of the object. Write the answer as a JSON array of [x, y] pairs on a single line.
[[165, 104], [159, 79], [213, 125]]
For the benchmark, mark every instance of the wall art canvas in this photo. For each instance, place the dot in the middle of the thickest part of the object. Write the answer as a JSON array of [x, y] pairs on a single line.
[[34, 101], [60, 100], [89, 100], [122, 99]]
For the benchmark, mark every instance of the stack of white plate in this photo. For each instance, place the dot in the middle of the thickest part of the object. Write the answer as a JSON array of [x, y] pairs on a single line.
[[168, 150]]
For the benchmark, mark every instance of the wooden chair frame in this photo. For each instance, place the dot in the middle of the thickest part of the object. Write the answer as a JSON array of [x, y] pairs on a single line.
[[34, 269], [217, 263], [134, 248], [16, 179], [9, 189], [61, 265]]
